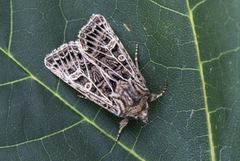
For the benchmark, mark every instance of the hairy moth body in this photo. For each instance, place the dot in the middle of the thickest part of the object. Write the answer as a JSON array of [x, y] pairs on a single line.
[[99, 67]]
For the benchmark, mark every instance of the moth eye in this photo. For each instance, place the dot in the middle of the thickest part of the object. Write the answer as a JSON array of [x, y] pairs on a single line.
[[88, 86], [121, 57]]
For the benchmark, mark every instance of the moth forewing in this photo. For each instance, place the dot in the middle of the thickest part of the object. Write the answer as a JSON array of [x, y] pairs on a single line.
[[99, 67]]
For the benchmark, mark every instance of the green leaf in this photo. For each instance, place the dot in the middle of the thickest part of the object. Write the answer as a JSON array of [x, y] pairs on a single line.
[[191, 45]]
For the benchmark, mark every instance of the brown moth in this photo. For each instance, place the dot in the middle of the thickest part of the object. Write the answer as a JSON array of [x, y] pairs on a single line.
[[98, 66]]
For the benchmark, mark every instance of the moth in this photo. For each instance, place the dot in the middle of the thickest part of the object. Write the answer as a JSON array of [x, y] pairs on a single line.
[[98, 66]]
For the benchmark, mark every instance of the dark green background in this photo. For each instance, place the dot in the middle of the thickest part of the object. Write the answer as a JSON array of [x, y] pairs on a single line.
[[192, 45]]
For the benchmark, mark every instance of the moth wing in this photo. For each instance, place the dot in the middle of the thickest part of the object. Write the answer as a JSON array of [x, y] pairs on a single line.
[[100, 43], [70, 64]]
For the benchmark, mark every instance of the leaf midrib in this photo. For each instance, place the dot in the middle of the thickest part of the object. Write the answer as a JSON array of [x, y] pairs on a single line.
[[200, 64]]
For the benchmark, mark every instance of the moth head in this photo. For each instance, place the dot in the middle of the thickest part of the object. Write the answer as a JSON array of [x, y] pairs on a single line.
[[142, 115]]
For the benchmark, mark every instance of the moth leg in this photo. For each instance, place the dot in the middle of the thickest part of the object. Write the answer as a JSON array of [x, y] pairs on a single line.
[[136, 59], [83, 97], [123, 123], [152, 97]]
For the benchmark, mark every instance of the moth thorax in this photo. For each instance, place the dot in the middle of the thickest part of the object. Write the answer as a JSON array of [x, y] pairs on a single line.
[[131, 99], [88, 86]]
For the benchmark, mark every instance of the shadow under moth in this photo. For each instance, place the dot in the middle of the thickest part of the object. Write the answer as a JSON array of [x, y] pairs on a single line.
[[98, 66]]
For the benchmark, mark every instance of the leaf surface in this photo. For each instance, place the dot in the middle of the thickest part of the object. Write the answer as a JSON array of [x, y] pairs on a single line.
[[191, 45]]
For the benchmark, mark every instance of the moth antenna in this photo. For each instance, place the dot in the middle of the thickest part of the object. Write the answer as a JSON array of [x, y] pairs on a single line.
[[164, 90], [123, 123], [136, 53], [153, 97]]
